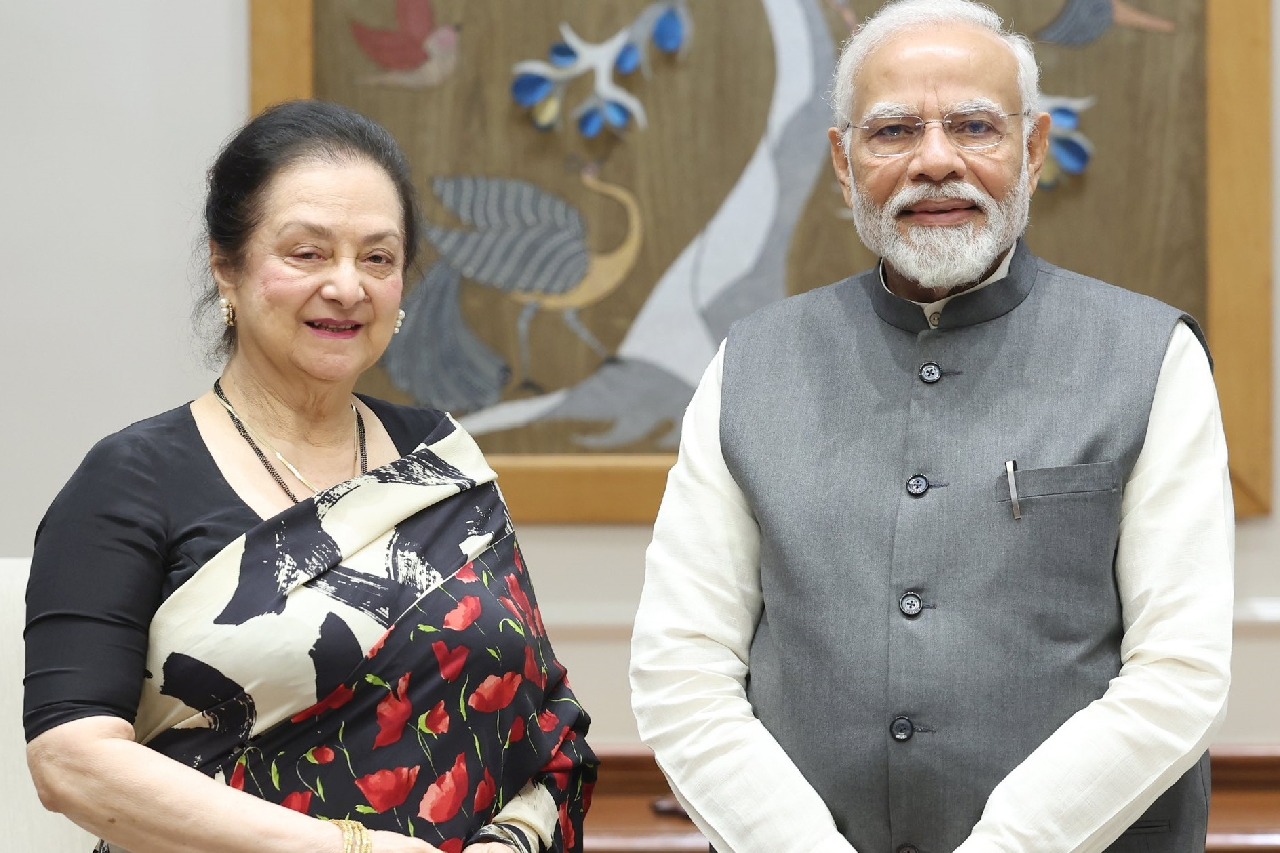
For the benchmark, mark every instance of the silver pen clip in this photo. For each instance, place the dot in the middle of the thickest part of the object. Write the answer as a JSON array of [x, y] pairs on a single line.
[[1009, 467]]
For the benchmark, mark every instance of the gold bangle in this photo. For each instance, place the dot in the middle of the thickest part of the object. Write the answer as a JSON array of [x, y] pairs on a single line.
[[344, 826], [355, 836]]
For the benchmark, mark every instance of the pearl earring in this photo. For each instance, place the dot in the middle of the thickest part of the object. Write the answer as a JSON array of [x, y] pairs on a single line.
[[399, 322], [228, 311]]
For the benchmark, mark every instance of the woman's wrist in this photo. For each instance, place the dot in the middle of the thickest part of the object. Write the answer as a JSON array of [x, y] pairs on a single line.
[[334, 836], [354, 838], [507, 834]]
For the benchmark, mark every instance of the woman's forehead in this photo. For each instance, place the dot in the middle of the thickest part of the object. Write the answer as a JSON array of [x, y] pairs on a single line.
[[356, 188]]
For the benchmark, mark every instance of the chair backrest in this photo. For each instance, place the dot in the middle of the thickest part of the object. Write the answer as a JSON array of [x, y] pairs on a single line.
[[27, 827]]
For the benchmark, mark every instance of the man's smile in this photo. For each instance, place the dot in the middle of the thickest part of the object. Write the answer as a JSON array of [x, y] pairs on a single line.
[[940, 212]]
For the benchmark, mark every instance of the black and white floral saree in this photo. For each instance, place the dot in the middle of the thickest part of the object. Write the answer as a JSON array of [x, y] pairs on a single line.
[[375, 653]]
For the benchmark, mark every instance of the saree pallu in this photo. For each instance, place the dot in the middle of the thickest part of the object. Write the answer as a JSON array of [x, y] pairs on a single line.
[[374, 653]]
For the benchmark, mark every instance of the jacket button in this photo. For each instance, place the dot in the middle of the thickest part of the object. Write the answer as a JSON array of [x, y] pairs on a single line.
[[902, 729], [907, 848], [917, 485], [910, 604], [930, 372]]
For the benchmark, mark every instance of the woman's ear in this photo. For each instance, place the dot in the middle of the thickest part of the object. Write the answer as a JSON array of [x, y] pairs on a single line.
[[223, 270]]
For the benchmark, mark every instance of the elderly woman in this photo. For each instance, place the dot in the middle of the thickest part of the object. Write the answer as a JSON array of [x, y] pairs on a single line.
[[285, 617]]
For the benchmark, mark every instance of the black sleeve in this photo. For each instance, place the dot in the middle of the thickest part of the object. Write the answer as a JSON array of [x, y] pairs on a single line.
[[96, 579]]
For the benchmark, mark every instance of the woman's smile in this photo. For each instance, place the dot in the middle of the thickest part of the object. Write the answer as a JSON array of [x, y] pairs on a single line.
[[340, 329]]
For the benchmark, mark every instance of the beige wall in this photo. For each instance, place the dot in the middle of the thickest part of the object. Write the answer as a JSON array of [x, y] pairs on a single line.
[[111, 114]]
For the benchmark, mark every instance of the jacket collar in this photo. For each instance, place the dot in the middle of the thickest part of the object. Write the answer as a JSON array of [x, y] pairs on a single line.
[[967, 309]]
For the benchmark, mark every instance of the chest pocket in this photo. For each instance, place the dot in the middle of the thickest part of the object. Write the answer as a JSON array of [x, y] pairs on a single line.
[[1065, 481], [1064, 543]]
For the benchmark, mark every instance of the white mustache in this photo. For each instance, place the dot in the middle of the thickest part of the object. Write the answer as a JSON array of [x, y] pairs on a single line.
[[950, 191]]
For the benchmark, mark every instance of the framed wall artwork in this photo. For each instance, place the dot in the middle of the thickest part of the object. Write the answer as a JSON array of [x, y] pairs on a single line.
[[607, 186]]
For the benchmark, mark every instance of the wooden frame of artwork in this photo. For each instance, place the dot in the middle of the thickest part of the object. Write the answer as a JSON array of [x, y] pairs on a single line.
[[626, 489]]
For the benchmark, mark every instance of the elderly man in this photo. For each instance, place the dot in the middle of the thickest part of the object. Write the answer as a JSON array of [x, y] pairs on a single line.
[[945, 561]]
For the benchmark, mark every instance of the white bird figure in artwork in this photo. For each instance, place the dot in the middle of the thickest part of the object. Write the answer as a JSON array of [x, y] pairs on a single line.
[[737, 263]]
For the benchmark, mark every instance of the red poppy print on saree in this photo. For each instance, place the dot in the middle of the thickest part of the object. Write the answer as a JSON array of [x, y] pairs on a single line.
[[451, 660], [436, 720], [464, 615], [445, 796], [393, 714], [496, 692], [387, 789]]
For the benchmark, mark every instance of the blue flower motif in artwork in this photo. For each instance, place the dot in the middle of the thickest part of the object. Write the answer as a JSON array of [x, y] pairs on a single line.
[[529, 90], [669, 31], [1070, 151], [616, 114], [563, 56], [591, 123], [1065, 118], [597, 115], [1072, 157], [541, 86], [628, 59]]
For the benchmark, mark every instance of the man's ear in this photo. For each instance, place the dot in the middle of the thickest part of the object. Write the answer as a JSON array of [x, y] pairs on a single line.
[[1037, 148], [840, 162]]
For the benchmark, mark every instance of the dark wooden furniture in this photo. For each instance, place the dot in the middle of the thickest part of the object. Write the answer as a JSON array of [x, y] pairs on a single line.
[[1245, 815]]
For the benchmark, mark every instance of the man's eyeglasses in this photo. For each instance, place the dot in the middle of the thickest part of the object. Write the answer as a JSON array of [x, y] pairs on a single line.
[[970, 130]]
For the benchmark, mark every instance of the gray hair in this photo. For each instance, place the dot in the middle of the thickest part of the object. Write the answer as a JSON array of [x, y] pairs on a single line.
[[901, 15]]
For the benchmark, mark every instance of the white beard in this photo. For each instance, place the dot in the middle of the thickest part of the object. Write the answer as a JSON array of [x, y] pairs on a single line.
[[941, 258]]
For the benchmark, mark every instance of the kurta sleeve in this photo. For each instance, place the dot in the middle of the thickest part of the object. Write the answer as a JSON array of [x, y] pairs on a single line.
[[1107, 763], [697, 615]]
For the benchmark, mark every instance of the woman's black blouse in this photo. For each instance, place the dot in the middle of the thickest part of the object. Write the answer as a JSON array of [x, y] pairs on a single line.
[[146, 508]]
